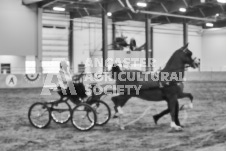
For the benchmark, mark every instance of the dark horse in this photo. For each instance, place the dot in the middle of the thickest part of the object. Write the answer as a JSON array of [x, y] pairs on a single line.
[[168, 86]]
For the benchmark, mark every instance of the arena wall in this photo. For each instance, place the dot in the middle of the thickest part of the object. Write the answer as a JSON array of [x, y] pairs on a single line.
[[50, 80], [214, 50], [17, 63], [206, 76], [21, 81]]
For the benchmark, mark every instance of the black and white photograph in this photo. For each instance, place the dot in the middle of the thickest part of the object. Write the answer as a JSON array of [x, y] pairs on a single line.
[[113, 75]]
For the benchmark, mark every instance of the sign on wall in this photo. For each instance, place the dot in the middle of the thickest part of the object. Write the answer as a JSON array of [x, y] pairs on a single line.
[[32, 78], [11, 80]]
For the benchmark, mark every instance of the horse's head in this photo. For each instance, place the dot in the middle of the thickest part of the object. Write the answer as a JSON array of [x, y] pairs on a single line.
[[187, 58], [115, 70]]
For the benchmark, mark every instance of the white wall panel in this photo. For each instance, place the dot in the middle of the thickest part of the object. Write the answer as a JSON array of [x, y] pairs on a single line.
[[18, 28], [167, 39], [214, 50], [55, 48], [55, 37], [55, 41]]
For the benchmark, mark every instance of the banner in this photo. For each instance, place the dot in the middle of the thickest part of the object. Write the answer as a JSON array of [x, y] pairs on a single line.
[[21, 81]]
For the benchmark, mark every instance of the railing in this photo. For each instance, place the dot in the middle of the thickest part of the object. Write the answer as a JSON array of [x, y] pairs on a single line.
[[17, 70]]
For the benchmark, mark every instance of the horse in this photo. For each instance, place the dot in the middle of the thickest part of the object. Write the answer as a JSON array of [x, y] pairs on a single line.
[[166, 88]]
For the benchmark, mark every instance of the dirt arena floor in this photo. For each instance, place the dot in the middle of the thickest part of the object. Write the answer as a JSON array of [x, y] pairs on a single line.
[[205, 125]]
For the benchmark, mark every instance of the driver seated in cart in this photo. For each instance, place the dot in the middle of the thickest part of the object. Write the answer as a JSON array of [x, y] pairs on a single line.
[[67, 87]]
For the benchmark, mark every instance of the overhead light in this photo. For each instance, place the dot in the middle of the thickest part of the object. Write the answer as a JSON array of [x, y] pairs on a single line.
[[61, 9], [203, 1], [141, 4], [182, 9], [221, 1], [109, 14], [209, 24], [217, 15]]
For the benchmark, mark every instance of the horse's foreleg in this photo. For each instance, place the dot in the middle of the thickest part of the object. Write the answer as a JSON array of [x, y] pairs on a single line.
[[188, 95], [173, 105], [177, 121], [181, 95]]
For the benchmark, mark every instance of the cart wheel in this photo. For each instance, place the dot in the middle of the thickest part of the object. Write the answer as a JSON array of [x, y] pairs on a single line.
[[102, 111], [39, 115], [61, 112], [80, 119]]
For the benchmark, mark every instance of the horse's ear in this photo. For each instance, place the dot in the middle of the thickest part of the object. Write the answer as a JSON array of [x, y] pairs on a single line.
[[184, 48]]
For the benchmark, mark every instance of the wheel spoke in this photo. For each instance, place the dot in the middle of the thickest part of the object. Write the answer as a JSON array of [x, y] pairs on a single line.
[[39, 115], [61, 112], [80, 119]]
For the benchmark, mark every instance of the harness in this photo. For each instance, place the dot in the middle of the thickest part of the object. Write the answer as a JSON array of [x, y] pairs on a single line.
[[163, 84]]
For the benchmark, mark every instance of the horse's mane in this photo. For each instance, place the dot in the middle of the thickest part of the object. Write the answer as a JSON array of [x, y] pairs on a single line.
[[172, 58]]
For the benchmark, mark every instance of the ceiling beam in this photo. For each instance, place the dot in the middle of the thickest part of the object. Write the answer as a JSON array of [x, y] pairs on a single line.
[[114, 6], [28, 2], [82, 12], [176, 15], [220, 24], [46, 3], [168, 8], [210, 11]]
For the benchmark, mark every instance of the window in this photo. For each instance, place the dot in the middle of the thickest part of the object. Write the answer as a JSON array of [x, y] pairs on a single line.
[[60, 27], [47, 26], [5, 68]]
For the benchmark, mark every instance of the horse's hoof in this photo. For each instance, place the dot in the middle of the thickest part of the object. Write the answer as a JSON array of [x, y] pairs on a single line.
[[122, 128], [116, 115], [191, 106], [177, 128], [182, 126], [155, 119]]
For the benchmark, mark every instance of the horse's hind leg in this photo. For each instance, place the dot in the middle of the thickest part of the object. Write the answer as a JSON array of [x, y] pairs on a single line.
[[156, 117], [119, 102]]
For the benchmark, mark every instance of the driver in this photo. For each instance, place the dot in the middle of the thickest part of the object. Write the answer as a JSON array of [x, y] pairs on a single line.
[[66, 86], [65, 79]]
